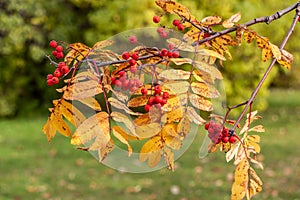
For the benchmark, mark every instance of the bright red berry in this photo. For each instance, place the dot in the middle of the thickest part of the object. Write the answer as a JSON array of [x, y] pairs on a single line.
[[49, 82], [207, 126], [65, 69], [233, 139], [54, 53], [118, 83], [59, 48], [53, 44], [180, 27], [122, 73], [157, 99], [125, 55], [165, 95], [132, 62], [59, 55], [298, 19], [57, 73], [147, 107], [150, 101], [170, 55], [175, 54], [157, 89], [133, 69], [144, 91], [156, 19], [113, 80], [55, 80], [61, 64], [135, 55], [49, 76], [163, 102], [225, 139], [176, 22], [164, 52]]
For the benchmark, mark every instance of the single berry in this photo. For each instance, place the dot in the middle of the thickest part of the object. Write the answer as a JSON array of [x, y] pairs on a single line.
[[54, 53], [163, 34], [157, 99], [157, 89], [165, 95], [156, 19], [233, 139], [180, 27], [131, 83], [175, 54], [59, 48], [298, 19], [164, 52], [55, 80], [53, 44], [132, 39], [113, 80], [49, 82], [147, 107], [163, 102], [133, 69], [57, 73], [65, 69], [144, 91], [59, 55], [49, 76], [118, 83], [122, 73], [170, 54], [225, 139], [137, 83], [160, 29], [150, 101], [170, 46], [135, 55], [176, 22], [132, 62], [133, 89], [61, 64], [125, 55], [207, 126]]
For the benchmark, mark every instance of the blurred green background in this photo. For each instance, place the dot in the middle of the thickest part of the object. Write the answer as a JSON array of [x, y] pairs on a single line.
[[30, 168]]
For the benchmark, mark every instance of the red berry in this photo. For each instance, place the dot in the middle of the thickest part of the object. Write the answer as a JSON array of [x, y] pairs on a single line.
[[156, 19], [147, 107], [59, 48], [137, 83], [207, 126], [53, 44], [49, 82], [164, 52], [113, 80], [171, 46], [135, 56], [132, 62], [49, 76], [65, 69], [133, 69], [157, 89], [157, 99], [163, 34], [176, 22], [122, 73], [59, 55], [144, 91], [160, 29], [125, 55], [61, 64], [233, 139], [175, 54], [132, 39], [55, 80], [133, 89], [225, 139], [118, 83], [57, 73], [163, 102], [170, 55], [165, 95], [298, 19], [54, 53], [180, 27], [123, 78], [206, 35], [150, 101]]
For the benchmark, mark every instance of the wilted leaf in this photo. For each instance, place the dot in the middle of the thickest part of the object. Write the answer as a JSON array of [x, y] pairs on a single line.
[[275, 51], [232, 152], [233, 19], [174, 102], [172, 7], [204, 90], [102, 44], [172, 116], [286, 59], [71, 113], [266, 53], [200, 102], [174, 74], [169, 158], [249, 35], [104, 150]]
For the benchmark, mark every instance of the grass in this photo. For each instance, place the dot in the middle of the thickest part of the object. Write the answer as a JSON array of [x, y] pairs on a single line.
[[32, 168]]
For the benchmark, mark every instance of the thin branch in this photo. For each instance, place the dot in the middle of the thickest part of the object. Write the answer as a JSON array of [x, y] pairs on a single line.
[[253, 95], [266, 19]]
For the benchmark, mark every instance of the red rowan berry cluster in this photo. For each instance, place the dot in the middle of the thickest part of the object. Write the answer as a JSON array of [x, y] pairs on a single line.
[[178, 24], [158, 99], [218, 134], [124, 83], [58, 52], [61, 70], [169, 53]]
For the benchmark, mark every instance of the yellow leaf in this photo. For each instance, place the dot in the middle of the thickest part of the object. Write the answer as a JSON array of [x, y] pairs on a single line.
[[177, 87], [174, 74], [102, 44], [119, 117], [262, 42], [172, 116], [169, 130], [154, 158], [254, 138], [204, 90], [91, 102], [173, 142], [104, 150], [148, 130], [121, 135], [71, 113], [94, 125], [100, 142], [202, 76], [172, 7], [249, 35], [76, 140], [208, 69], [241, 178], [250, 143], [117, 104], [142, 120], [184, 127], [211, 20], [175, 102], [233, 19], [194, 116], [78, 52], [138, 101], [152, 145], [286, 59], [266, 53], [169, 158], [181, 61], [200, 102], [82, 90], [275, 51]]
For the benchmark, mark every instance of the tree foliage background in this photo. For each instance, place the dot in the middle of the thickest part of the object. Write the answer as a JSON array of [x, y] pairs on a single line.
[[27, 26]]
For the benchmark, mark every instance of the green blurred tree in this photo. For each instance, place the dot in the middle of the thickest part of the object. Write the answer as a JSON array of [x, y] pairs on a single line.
[[26, 27]]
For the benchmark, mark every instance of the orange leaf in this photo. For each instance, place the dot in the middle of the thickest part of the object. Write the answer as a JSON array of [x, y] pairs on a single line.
[[78, 52]]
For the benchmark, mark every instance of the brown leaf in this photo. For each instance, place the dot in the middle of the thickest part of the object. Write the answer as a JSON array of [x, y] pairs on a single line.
[[138, 101], [172, 7], [102, 44], [249, 35], [184, 127]]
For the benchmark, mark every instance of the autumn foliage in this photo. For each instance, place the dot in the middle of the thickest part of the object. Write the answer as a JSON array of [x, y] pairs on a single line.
[[126, 91]]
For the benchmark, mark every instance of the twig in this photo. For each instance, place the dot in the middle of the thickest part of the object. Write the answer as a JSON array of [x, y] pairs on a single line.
[[253, 95]]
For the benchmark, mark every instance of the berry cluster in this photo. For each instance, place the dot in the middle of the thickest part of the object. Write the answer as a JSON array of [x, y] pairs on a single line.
[[124, 83], [131, 60], [169, 53], [218, 134], [178, 24], [158, 99], [58, 52], [61, 70]]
